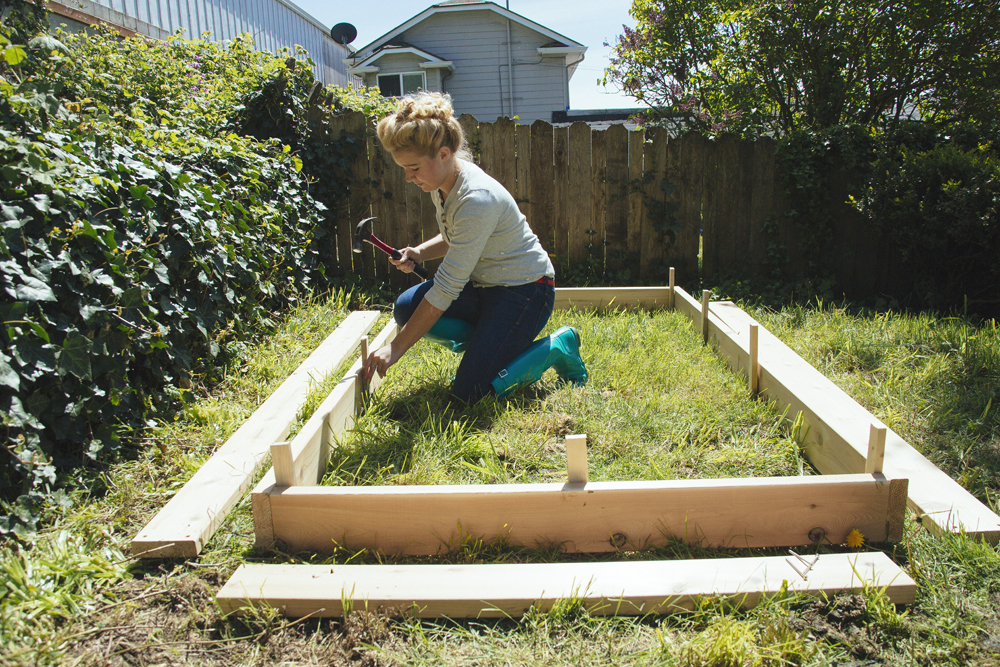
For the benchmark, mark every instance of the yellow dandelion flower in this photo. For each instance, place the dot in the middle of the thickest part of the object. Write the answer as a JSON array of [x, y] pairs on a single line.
[[855, 539]]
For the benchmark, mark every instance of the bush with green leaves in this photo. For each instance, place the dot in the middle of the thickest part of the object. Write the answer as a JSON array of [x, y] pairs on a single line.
[[138, 243], [936, 198]]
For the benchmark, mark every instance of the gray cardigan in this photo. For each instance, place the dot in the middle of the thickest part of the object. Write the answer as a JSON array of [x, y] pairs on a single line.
[[489, 240]]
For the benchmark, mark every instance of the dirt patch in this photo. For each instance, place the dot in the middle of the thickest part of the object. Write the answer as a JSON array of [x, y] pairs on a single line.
[[843, 620], [172, 619]]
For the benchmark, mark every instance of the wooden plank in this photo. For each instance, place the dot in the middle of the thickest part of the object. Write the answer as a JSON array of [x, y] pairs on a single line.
[[360, 193], [522, 142], [762, 206], [579, 206], [595, 241], [617, 197], [655, 216], [633, 241], [695, 153], [576, 459], [542, 220], [583, 298], [592, 518], [364, 262], [191, 517], [635, 588], [281, 463], [414, 223], [487, 151], [392, 227], [837, 428], [470, 128], [560, 177], [680, 243], [505, 160]]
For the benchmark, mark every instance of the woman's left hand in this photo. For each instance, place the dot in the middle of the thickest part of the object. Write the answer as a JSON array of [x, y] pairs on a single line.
[[379, 361]]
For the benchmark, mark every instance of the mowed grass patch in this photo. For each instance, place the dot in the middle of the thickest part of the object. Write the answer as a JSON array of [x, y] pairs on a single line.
[[658, 405]]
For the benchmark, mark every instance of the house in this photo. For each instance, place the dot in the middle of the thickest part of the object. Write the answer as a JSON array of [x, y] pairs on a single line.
[[492, 61], [274, 24]]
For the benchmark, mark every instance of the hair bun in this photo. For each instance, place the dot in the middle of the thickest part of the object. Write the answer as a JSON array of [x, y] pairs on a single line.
[[425, 106]]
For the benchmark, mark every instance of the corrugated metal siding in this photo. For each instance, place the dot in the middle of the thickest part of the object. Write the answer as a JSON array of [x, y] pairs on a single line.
[[476, 41], [272, 23]]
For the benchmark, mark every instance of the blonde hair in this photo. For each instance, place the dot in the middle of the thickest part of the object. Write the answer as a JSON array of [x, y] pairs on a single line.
[[423, 123]]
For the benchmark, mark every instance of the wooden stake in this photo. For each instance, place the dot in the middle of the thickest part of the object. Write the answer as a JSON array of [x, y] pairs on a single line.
[[754, 363], [672, 283], [876, 449], [281, 461], [705, 296], [576, 459], [361, 386]]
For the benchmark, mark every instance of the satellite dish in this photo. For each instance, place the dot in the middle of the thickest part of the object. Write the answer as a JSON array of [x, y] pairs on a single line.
[[343, 33]]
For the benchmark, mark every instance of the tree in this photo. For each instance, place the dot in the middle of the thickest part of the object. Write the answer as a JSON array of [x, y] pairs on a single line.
[[775, 66]]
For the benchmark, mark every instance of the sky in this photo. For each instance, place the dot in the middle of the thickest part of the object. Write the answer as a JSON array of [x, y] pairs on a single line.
[[590, 22]]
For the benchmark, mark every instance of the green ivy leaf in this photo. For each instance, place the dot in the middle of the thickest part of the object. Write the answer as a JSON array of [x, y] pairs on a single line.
[[75, 356], [34, 289], [8, 376], [14, 55]]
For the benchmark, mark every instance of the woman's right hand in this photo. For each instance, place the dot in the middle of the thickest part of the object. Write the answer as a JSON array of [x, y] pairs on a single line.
[[409, 258]]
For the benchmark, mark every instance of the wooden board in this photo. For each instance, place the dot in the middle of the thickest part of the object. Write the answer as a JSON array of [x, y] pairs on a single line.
[[654, 206], [310, 449], [580, 203], [595, 240], [522, 139], [633, 241], [192, 516], [360, 197], [616, 231], [593, 517], [839, 430], [611, 297], [560, 179], [505, 158], [501, 590], [542, 220]]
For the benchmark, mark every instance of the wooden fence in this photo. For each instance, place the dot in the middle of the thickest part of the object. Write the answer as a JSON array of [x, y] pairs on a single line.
[[636, 201]]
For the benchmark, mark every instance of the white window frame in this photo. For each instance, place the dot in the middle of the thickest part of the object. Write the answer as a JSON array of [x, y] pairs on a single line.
[[422, 74]]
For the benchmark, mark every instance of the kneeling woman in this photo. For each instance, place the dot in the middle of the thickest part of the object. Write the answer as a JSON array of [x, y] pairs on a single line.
[[494, 290]]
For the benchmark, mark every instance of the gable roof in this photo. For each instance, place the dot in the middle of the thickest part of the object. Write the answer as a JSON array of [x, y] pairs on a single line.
[[367, 66], [472, 5]]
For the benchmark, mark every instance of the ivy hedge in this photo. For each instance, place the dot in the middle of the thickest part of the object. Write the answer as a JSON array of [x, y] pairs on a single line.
[[143, 235]]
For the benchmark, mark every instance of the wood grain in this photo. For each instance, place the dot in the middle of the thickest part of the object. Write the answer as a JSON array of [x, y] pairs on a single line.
[[634, 588], [593, 517]]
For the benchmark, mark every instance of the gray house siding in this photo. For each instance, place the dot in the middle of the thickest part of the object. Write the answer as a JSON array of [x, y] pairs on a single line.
[[473, 38], [476, 41], [274, 24]]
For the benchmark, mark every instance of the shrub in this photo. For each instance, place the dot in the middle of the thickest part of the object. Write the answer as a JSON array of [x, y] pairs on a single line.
[[137, 243], [936, 197]]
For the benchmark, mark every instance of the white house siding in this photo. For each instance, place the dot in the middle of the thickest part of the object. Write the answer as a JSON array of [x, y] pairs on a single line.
[[476, 41], [274, 24]]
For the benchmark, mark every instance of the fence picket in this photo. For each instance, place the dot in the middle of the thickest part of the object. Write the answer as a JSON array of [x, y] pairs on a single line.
[[598, 165], [522, 142], [617, 196], [542, 186], [655, 165], [633, 230], [560, 178], [579, 210]]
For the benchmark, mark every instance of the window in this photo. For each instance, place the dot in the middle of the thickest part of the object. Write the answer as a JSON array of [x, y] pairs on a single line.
[[396, 85]]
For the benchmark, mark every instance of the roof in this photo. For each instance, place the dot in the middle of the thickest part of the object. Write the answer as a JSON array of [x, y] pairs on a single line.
[[471, 5]]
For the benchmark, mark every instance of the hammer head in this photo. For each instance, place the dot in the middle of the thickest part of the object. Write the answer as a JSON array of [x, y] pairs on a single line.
[[362, 233]]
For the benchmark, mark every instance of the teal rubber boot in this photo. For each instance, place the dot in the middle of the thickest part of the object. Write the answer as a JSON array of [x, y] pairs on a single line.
[[450, 332], [559, 351]]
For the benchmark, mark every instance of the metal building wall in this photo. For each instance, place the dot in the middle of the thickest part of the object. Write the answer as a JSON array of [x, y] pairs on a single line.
[[274, 24]]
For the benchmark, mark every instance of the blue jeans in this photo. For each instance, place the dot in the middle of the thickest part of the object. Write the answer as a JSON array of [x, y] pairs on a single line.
[[505, 321]]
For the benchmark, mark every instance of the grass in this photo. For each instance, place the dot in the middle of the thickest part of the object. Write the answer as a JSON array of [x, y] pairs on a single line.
[[659, 405]]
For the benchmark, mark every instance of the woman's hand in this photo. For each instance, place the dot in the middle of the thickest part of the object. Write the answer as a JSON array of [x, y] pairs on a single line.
[[410, 257], [380, 360]]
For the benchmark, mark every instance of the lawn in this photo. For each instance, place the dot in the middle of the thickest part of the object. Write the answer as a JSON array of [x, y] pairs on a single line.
[[659, 405]]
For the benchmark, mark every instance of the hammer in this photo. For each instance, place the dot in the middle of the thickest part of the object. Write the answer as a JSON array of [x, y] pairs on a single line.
[[362, 234]]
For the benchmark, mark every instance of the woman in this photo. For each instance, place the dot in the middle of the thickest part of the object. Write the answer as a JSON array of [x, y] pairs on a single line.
[[494, 290]]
